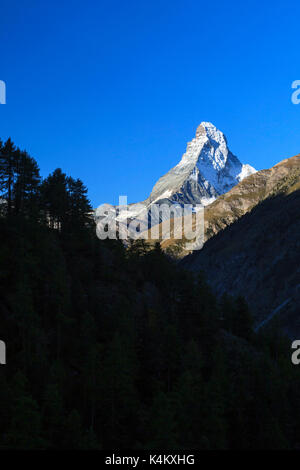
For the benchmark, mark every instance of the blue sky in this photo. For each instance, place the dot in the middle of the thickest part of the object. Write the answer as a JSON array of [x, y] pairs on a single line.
[[111, 91]]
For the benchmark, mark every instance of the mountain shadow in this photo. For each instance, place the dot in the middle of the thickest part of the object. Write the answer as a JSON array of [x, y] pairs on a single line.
[[259, 257]]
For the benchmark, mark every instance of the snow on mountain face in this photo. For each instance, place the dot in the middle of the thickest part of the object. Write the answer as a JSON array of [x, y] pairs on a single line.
[[206, 170]]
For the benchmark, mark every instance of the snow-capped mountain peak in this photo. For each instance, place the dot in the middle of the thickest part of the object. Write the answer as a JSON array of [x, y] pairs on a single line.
[[206, 170], [207, 135]]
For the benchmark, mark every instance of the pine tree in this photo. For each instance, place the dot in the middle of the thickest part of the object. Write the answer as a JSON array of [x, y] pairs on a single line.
[[119, 397], [26, 187], [25, 427], [53, 413], [162, 426], [79, 209], [72, 431], [54, 199], [243, 320], [8, 156]]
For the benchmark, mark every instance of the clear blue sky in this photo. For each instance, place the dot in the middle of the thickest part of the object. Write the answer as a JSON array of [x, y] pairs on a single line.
[[111, 91]]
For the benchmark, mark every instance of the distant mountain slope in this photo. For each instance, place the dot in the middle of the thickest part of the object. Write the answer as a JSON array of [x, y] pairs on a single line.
[[258, 256], [229, 207], [252, 190]]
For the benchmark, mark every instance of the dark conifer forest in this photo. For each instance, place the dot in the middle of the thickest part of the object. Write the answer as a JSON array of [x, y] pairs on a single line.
[[111, 346]]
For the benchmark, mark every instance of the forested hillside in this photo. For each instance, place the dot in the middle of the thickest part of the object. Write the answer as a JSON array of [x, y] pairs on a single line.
[[114, 347]]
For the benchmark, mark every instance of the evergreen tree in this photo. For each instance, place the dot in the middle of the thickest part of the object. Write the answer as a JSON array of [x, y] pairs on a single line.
[[25, 426], [80, 209], [243, 321], [54, 199], [26, 187], [8, 158], [162, 426]]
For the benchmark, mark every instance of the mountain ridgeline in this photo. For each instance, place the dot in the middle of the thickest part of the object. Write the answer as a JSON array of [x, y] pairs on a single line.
[[118, 347], [206, 170], [242, 198]]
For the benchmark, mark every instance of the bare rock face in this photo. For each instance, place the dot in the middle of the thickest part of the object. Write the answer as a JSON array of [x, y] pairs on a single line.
[[206, 170]]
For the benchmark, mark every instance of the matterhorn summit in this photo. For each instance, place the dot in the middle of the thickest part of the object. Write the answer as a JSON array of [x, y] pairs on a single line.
[[206, 170]]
